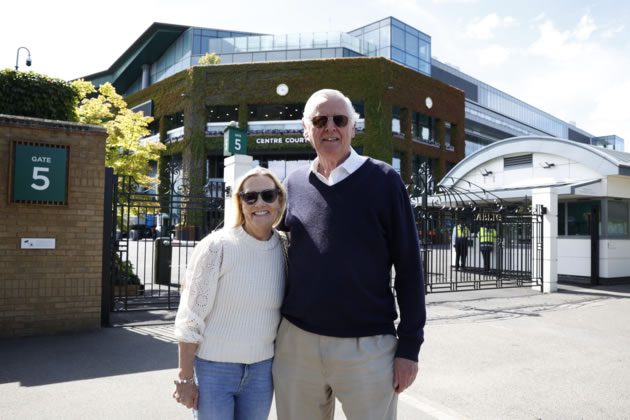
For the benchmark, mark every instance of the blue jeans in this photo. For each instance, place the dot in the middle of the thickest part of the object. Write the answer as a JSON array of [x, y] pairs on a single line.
[[233, 390]]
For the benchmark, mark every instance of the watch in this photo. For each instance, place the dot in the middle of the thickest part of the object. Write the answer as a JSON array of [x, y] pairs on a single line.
[[282, 89]]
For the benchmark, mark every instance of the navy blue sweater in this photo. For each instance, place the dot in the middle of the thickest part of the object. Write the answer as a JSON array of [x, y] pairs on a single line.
[[344, 240]]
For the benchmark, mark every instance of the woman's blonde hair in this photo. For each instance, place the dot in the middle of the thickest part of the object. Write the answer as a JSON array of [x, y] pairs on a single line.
[[239, 218]]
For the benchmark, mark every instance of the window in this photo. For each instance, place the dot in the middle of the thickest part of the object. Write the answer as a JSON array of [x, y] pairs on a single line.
[[396, 119], [396, 161], [421, 126], [578, 214], [617, 218], [449, 133], [561, 219]]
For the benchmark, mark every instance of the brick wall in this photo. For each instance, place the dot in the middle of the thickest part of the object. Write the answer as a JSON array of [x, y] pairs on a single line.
[[49, 291]]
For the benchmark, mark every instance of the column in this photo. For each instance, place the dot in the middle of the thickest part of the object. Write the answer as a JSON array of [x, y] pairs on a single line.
[[235, 167], [548, 197]]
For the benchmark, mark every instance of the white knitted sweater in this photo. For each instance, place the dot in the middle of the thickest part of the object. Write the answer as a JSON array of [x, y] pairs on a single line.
[[231, 300]]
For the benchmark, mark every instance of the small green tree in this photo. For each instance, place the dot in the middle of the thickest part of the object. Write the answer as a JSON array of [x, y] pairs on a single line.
[[210, 59], [125, 152]]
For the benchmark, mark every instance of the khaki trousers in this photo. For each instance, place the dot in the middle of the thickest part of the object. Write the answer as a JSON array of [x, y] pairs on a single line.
[[311, 370]]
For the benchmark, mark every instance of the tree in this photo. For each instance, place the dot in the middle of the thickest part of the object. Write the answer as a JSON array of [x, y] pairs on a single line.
[[125, 152], [209, 59]]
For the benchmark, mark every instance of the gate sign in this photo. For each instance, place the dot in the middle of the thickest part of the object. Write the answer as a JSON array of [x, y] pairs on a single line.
[[40, 173], [234, 141]]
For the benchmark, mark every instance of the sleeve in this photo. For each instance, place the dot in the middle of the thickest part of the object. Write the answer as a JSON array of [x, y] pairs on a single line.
[[409, 282], [200, 286]]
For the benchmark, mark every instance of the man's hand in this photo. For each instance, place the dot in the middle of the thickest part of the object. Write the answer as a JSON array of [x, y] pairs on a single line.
[[405, 372]]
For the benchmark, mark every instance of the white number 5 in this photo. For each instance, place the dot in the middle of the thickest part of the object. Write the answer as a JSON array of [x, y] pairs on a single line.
[[38, 177]]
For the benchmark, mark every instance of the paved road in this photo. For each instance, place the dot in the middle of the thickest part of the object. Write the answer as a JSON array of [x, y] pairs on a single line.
[[508, 354]]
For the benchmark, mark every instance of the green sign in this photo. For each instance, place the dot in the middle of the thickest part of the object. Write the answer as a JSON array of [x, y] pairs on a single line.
[[40, 173], [234, 141]]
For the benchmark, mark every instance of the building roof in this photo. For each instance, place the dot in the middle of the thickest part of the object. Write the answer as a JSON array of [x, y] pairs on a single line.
[[603, 161]]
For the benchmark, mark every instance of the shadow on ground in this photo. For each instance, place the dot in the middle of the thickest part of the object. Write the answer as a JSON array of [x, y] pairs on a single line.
[[42, 360]]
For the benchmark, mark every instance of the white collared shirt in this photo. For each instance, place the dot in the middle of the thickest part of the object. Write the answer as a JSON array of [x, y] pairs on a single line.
[[341, 172]]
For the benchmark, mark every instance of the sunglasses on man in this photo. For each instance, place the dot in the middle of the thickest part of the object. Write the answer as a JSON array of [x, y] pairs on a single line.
[[321, 120], [268, 196]]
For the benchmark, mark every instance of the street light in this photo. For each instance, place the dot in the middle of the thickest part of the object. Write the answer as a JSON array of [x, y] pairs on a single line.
[[28, 59]]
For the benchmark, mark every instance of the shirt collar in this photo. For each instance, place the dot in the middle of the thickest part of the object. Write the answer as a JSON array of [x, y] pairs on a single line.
[[351, 164]]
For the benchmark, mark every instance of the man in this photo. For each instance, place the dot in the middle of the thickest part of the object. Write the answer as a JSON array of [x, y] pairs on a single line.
[[460, 240], [487, 236], [350, 219]]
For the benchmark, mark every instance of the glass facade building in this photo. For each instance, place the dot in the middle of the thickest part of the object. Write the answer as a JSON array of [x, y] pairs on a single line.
[[491, 114]]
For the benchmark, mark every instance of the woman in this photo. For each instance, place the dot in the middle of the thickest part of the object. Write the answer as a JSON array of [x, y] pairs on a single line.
[[230, 308]]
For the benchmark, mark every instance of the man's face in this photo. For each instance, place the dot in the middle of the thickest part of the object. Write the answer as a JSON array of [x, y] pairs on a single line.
[[332, 143]]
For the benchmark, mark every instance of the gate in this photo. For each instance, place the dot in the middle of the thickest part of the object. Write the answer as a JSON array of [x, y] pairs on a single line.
[[498, 244], [496, 249], [150, 236]]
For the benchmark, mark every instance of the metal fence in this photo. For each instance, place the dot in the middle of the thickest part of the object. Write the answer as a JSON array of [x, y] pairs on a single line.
[[150, 237], [495, 248]]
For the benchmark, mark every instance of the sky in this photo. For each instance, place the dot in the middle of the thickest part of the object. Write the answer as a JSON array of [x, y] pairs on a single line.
[[570, 58]]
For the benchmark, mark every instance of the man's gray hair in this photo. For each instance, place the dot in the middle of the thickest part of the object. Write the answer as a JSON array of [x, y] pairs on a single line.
[[321, 96]]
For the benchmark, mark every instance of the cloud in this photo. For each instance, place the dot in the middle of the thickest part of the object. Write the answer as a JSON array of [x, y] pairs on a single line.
[[610, 33], [493, 55], [484, 28], [584, 28]]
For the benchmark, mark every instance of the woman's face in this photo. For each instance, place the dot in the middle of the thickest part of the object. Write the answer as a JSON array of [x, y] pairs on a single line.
[[260, 215]]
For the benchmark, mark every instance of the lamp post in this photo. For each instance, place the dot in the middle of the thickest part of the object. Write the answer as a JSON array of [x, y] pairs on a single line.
[[28, 59]]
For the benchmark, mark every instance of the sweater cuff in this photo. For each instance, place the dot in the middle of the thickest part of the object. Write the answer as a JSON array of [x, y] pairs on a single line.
[[408, 349]]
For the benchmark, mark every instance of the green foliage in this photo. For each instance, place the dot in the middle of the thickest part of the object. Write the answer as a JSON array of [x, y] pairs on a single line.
[[125, 152], [35, 95], [124, 272], [209, 59]]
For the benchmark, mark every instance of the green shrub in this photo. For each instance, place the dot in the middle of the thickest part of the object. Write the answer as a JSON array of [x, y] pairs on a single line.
[[124, 273], [36, 95]]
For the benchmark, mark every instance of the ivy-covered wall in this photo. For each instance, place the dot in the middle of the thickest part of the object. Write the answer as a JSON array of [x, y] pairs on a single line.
[[377, 82]]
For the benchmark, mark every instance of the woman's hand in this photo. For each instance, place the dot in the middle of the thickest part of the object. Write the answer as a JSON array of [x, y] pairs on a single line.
[[187, 395]]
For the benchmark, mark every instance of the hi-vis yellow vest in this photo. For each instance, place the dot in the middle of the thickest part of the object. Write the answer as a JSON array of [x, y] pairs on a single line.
[[487, 234], [462, 231]]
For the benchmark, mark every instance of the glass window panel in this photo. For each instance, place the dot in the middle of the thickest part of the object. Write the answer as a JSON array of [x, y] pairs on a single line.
[[577, 217], [207, 32], [224, 34], [411, 61], [320, 40], [266, 42], [196, 44], [276, 56], [411, 44], [258, 56], [240, 44], [328, 53], [398, 38], [617, 218], [253, 43], [334, 39], [395, 125], [227, 45], [561, 219], [293, 41], [371, 27], [310, 54], [385, 38], [306, 40], [396, 162], [293, 55], [279, 42], [398, 55], [423, 50], [243, 58], [398, 23], [384, 52], [373, 36]]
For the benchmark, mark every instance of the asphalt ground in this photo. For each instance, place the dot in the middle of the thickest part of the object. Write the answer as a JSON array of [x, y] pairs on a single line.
[[497, 354]]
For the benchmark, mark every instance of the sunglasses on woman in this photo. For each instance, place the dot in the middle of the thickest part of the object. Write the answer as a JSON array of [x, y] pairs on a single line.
[[321, 120], [268, 196]]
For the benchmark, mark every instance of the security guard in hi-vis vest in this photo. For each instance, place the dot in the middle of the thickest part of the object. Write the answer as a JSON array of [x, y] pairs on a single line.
[[487, 237], [460, 241]]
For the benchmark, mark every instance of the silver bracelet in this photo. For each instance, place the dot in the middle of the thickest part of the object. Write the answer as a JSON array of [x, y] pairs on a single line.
[[184, 381]]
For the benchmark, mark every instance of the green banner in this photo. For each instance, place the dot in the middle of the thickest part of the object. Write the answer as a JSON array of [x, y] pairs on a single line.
[[40, 173]]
